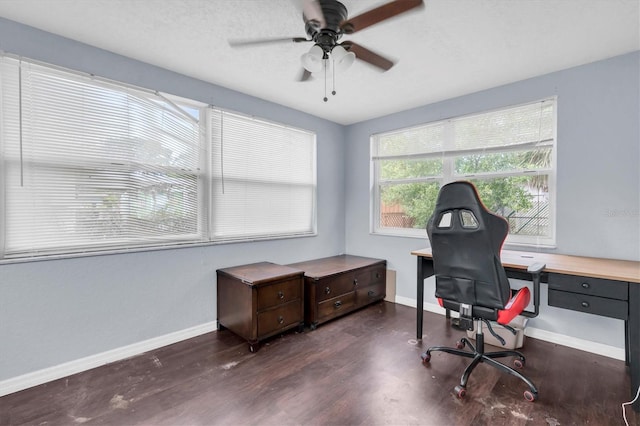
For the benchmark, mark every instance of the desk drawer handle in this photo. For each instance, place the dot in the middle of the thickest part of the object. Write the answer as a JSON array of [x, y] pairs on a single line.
[[585, 304], [280, 295], [280, 319], [327, 290], [585, 285], [337, 304]]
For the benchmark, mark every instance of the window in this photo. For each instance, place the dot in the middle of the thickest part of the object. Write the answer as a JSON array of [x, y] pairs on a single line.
[[92, 165], [509, 154], [263, 179]]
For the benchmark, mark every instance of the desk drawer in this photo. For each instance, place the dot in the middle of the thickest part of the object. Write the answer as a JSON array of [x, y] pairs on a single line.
[[591, 286], [589, 304]]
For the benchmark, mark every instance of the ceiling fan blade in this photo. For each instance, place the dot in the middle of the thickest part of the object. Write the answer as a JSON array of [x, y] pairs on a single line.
[[378, 14], [367, 55], [312, 11], [304, 75], [252, 42]]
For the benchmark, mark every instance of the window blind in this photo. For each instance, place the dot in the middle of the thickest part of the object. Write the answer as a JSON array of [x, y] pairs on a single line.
[[263, 178], [92, 165], [522, 127]]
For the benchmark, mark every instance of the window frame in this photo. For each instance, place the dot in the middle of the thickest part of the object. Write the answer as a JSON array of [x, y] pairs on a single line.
[[448, 174]]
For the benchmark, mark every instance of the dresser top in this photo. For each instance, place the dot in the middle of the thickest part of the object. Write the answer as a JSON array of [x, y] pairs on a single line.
[[258, 273], [318, 268]]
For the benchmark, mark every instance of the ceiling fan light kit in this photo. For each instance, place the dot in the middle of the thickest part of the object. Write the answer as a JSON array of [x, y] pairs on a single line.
[[325, 23], [342, 59], [312, 60]]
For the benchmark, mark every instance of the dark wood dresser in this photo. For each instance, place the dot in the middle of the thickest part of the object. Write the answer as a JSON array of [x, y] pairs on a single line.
[[260, 300], [337, 285]]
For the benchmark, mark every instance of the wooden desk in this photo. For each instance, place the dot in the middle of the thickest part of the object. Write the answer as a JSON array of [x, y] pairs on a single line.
[[604, 287]]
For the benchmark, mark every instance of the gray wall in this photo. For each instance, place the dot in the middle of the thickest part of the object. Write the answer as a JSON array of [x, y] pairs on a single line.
[[598, 178], [57, 311]]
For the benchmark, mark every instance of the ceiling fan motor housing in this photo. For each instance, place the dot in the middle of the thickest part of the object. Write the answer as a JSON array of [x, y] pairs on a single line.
[[334, 13]]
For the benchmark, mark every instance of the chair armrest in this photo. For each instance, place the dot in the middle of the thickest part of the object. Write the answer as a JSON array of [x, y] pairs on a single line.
[[536, 271]]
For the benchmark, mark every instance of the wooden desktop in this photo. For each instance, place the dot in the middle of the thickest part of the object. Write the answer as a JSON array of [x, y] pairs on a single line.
[[605, 287]]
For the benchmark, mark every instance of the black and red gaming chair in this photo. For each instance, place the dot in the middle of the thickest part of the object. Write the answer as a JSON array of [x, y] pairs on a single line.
[[466, 240]]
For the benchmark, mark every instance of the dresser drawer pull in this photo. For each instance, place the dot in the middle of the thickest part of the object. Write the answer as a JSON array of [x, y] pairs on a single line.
[[585, 285], [371, 293], [585, 304], [377, 275], [355, 281], [280, 295], [280, 319], [337, 304], [327, 290]]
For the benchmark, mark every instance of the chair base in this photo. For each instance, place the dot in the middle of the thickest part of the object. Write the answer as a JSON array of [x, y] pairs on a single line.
[[478, 355]]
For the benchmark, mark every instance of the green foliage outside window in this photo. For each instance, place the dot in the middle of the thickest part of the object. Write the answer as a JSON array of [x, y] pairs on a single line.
[[502, 195]]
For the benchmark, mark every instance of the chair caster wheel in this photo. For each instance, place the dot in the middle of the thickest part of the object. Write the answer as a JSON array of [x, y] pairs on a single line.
[[426, 357], [530, 396], [519, 363], [460, 344], [460, 391]]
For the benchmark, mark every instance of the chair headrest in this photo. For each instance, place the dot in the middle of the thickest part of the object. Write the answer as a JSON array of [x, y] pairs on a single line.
[[462, 196], [459, 195]]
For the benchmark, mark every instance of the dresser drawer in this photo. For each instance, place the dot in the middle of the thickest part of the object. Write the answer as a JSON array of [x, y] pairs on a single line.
[[369, 276], [592, 286], [272, 320], [589, 304], [331, 287], [370, 293], [279, 293], [337, 305]]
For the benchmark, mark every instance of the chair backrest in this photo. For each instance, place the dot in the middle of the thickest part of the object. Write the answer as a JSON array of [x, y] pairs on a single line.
[[466, 240]]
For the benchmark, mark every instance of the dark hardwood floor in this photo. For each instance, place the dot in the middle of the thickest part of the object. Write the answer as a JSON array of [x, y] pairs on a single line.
[[362, 369]]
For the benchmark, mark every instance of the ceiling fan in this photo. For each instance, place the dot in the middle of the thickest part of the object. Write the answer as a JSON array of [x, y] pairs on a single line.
[[326, 21]]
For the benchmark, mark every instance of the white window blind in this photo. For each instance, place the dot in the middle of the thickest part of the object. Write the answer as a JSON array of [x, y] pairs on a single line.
[[263, 178], [91, 165], [524, 127]]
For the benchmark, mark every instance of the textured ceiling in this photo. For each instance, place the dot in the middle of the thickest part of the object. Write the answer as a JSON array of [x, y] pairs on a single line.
[[445, 49]]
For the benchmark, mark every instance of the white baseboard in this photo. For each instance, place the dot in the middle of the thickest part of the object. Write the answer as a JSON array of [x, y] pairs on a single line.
[[573, 342], [536, 333], [46, 375]]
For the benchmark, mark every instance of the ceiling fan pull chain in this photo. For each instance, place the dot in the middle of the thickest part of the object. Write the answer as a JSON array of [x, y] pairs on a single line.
[[333, 77], [325, 80]]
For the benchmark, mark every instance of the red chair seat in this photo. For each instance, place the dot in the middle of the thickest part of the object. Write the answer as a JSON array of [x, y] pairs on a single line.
[[513, 308]]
